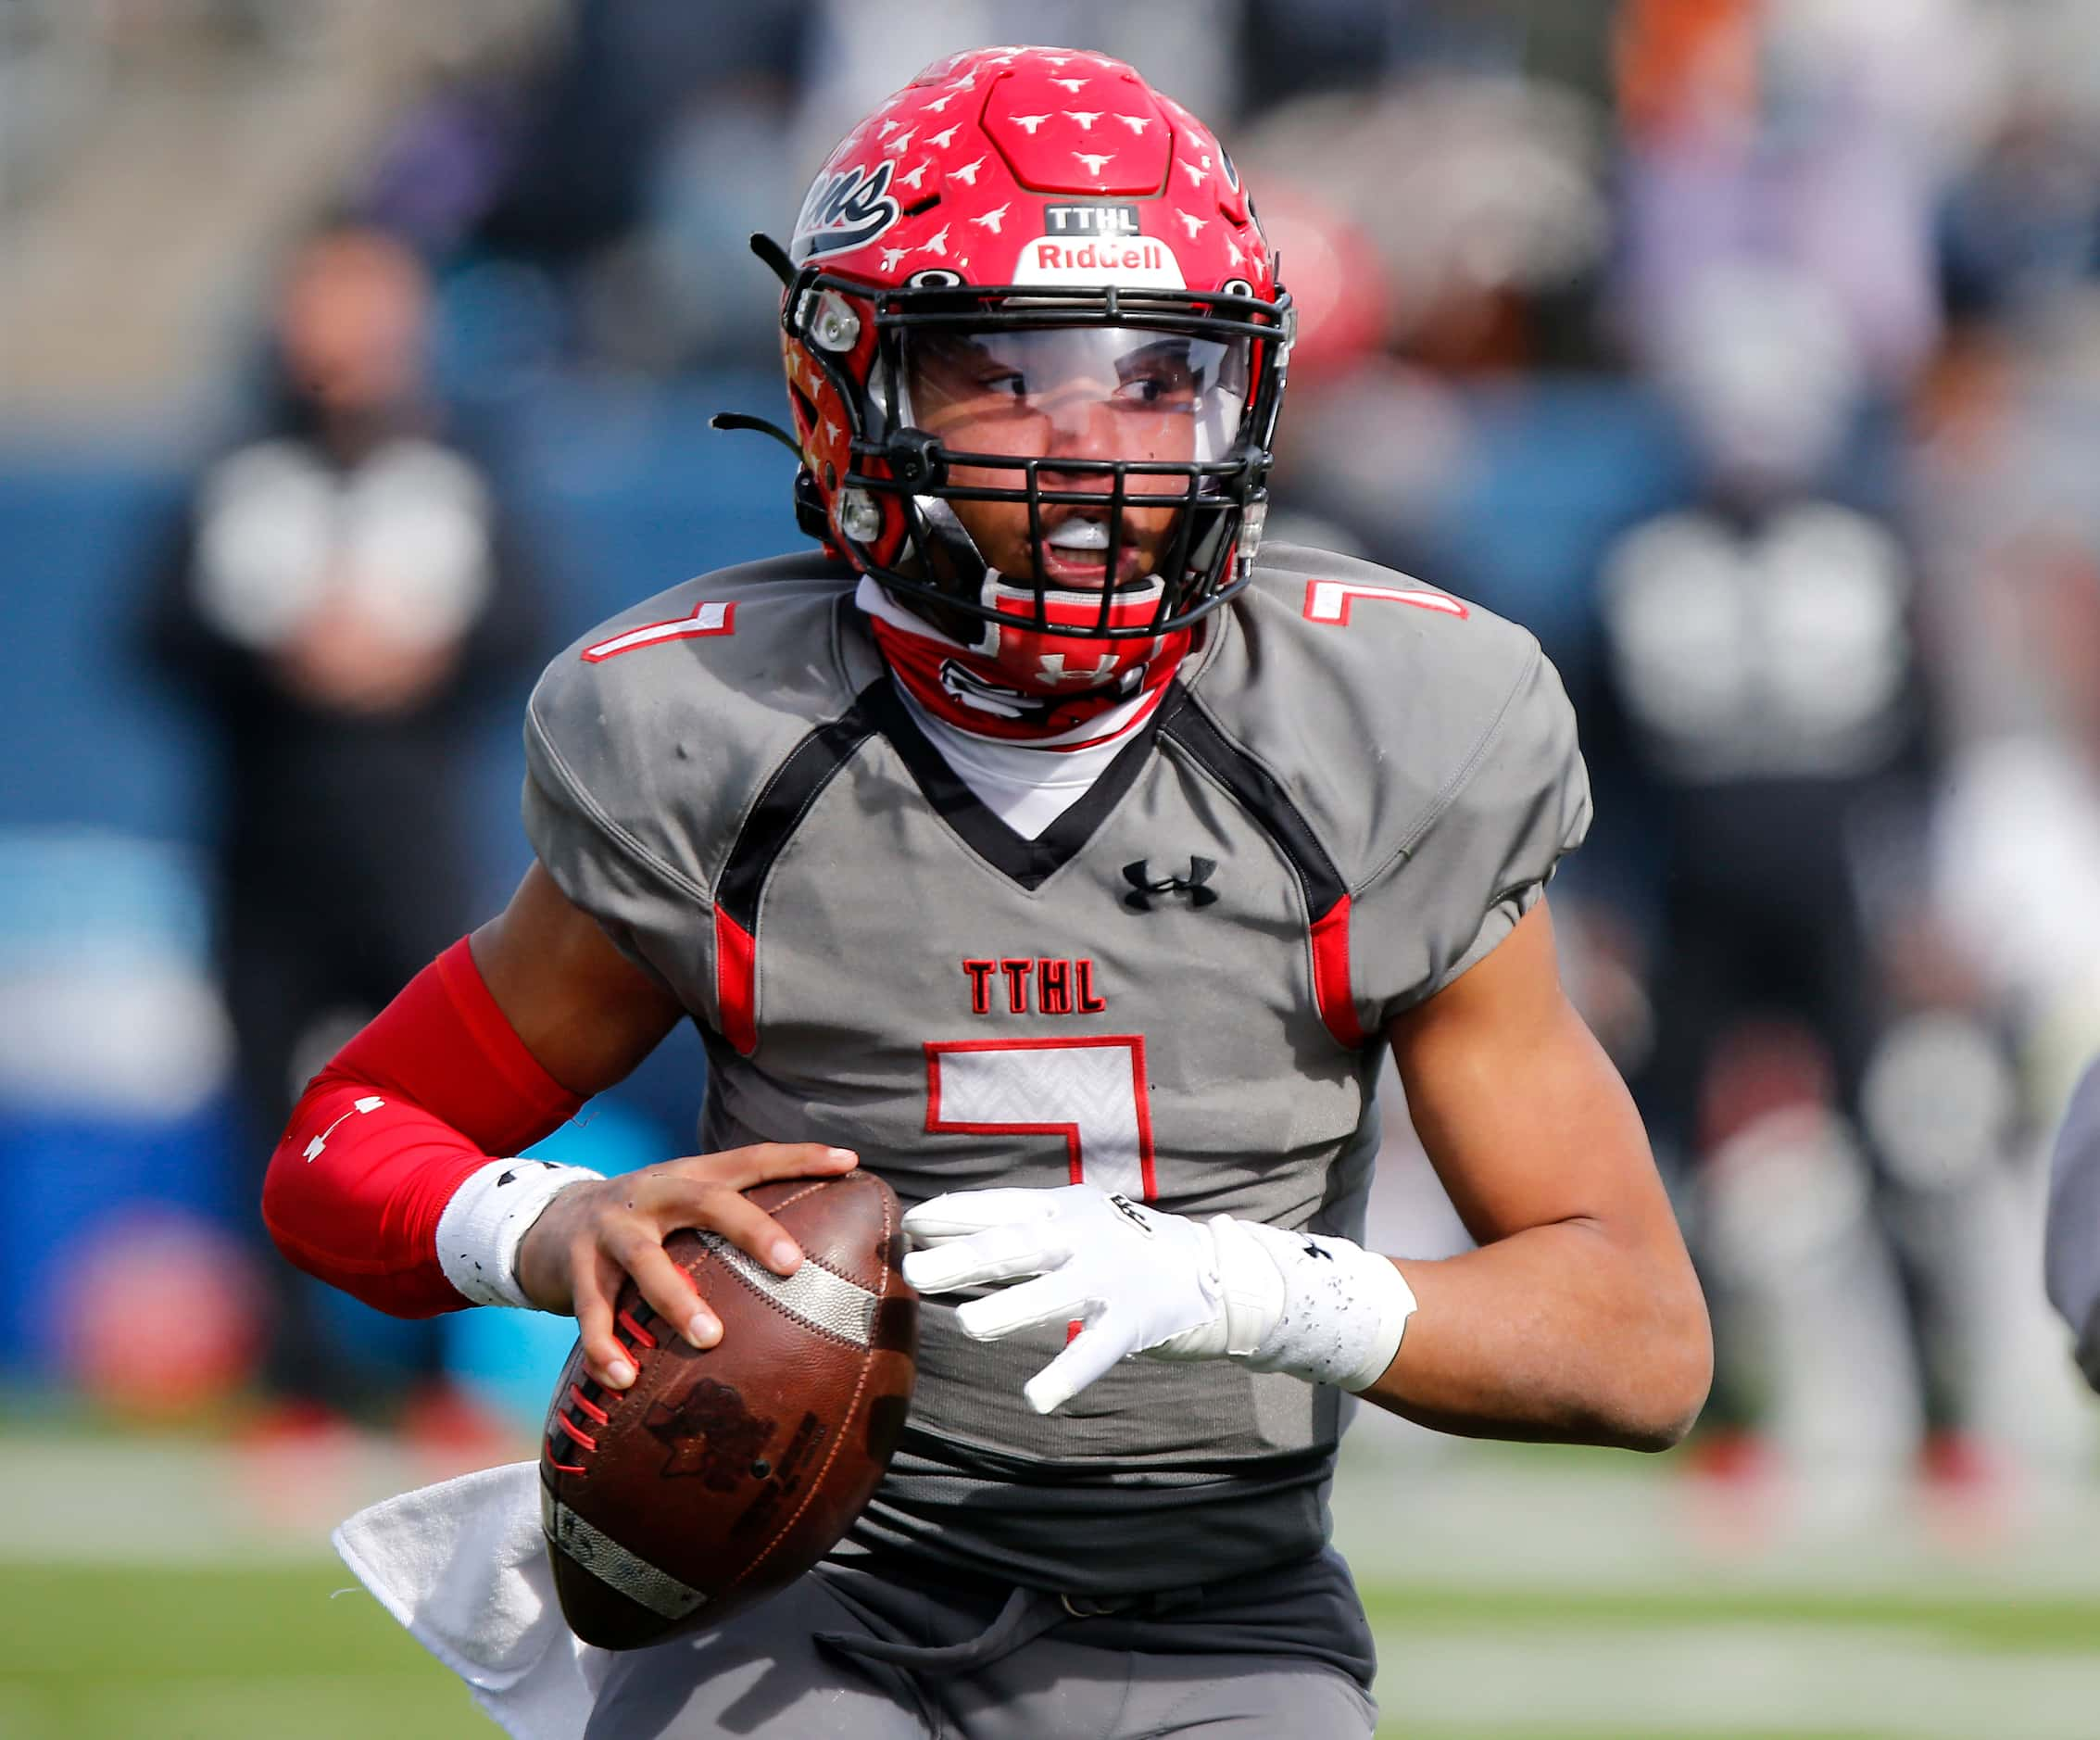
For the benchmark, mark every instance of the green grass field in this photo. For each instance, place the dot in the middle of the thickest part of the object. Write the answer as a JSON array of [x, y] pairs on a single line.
[[265, 1652], [158, 1588], [107, 1652]]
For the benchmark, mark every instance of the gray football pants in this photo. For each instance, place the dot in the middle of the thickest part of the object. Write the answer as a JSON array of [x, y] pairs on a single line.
[[848, 1654]]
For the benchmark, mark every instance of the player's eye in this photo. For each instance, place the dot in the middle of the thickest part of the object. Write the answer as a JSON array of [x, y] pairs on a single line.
[[1158, 379], [1159, 389]]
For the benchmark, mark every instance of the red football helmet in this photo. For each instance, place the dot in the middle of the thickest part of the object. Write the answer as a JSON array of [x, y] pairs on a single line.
[[1030, 280]]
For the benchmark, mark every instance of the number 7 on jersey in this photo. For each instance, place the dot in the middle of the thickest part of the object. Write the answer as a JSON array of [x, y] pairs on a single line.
[[1091, 1092]]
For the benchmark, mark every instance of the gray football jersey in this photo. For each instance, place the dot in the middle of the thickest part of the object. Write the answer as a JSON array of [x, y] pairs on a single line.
[[1352, 792]]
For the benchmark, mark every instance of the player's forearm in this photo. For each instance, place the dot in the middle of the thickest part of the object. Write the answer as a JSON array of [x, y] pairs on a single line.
[[1560, 1333], [404, 1134]]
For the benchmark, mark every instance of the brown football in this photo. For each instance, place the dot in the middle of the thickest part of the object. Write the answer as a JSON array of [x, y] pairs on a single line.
[[718, 1478]]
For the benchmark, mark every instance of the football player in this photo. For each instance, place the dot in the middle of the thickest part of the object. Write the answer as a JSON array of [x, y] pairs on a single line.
[[1051, 843], [2072, 1243]]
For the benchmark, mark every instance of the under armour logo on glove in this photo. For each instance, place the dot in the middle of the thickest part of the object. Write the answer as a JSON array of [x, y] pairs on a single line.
[[512, 1175], [1143, 885], [1130, 1212]]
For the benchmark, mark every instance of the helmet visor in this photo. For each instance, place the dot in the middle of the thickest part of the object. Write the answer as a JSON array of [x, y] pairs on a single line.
[[1086, 394], [1058, 438]]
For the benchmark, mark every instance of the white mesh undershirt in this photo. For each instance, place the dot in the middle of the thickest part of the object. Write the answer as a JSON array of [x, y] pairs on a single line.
[[1026, 788]]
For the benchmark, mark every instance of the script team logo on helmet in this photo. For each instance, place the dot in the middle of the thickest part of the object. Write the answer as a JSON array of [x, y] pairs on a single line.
[[846, 210]]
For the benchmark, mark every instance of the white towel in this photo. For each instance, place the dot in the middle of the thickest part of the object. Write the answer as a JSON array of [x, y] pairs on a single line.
[[463, 1566]]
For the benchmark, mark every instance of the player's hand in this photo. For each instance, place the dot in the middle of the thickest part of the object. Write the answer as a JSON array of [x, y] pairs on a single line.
[[341, 660], [1140, 1281], [593, 1237]]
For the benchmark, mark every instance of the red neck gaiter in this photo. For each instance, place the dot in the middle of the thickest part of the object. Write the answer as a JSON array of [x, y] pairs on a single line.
[[1021, 685]]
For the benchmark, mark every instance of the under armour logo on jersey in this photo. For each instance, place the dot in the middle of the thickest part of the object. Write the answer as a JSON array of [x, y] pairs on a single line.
[[1143, 885]]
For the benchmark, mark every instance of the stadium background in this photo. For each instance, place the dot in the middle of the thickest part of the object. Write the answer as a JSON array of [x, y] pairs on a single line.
[[1555, 255]]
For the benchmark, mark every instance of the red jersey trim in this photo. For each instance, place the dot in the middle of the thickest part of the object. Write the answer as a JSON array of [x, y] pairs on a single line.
[[1330, 975], [736, 982]]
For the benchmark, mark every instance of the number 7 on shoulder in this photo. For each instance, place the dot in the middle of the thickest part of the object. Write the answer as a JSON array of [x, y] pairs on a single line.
[[1328, 600]]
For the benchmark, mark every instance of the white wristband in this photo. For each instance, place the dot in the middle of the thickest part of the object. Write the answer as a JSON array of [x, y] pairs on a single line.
[[478, 1233], [1344, 1308]]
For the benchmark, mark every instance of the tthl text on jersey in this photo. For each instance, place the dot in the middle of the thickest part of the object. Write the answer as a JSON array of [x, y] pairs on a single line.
[[1032, 985]]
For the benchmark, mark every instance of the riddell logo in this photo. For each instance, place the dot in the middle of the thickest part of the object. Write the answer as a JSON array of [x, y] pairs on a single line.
[[1133, 260]]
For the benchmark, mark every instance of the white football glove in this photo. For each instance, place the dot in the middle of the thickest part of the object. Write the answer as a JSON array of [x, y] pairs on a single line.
[[1142, 1281]]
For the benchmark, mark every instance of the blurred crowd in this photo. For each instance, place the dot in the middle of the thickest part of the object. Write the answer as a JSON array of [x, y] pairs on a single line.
[[1748, 350]]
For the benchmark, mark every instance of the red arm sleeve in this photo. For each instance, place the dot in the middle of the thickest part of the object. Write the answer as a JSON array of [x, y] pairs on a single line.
[[437, 1085]]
